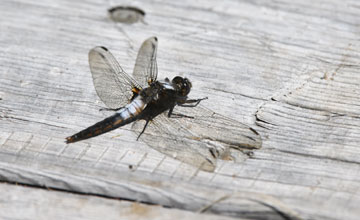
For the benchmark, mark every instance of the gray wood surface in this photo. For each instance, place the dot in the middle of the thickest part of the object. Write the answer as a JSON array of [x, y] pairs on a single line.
[[51, 204], [289, 69]]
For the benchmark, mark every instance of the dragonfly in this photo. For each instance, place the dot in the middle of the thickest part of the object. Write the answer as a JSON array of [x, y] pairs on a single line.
[[196, 135]]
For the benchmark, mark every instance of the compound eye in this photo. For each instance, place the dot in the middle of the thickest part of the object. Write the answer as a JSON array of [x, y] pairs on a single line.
[[185, 89], [177, 80], [188, 83]]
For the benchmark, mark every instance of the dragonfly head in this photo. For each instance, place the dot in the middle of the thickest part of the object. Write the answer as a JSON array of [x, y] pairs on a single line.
[[181, 85]]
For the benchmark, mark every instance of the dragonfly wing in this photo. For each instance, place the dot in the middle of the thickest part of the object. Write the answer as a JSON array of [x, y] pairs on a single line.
[[172, 139], [209, 125], [145, 70], [198, 140], [112, 84]]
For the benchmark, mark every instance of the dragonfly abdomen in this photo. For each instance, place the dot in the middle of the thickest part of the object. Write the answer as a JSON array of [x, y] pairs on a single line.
[[124, 116]]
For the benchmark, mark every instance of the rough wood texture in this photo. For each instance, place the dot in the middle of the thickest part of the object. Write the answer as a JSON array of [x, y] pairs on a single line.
[[287, 68], [47, 204]]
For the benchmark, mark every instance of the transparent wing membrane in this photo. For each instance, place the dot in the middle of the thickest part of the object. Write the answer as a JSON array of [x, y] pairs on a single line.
[[112, 84], [209, 125], [145, 70], [199, 140], [172, 139]]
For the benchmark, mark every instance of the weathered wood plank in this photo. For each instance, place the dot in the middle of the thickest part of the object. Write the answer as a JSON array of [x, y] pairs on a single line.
[[22, 202], [289, 66], [81, 170]]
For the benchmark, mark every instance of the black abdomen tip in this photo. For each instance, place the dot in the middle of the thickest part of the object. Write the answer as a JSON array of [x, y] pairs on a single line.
[[71, 139]]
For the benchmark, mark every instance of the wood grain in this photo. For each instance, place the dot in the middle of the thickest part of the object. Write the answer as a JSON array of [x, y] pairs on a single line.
[[64, 205], [289, 69]]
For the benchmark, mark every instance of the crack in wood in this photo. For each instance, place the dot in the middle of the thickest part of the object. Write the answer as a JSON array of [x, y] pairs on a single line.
[[235, 93], [158, 164], [320, 157], [31, 121], [26, 144], [283, 211]]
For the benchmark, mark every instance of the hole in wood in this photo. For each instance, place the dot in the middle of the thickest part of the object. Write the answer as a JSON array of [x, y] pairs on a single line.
[[126, 14]]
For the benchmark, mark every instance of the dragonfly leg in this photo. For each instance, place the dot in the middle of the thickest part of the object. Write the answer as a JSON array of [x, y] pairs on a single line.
[[191, 101], [177, 114], [147, 122], [170, 111]]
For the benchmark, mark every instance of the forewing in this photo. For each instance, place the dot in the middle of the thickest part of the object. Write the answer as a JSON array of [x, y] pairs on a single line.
[[112, 84], [172, 139], [208, 125], [145, 70]]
